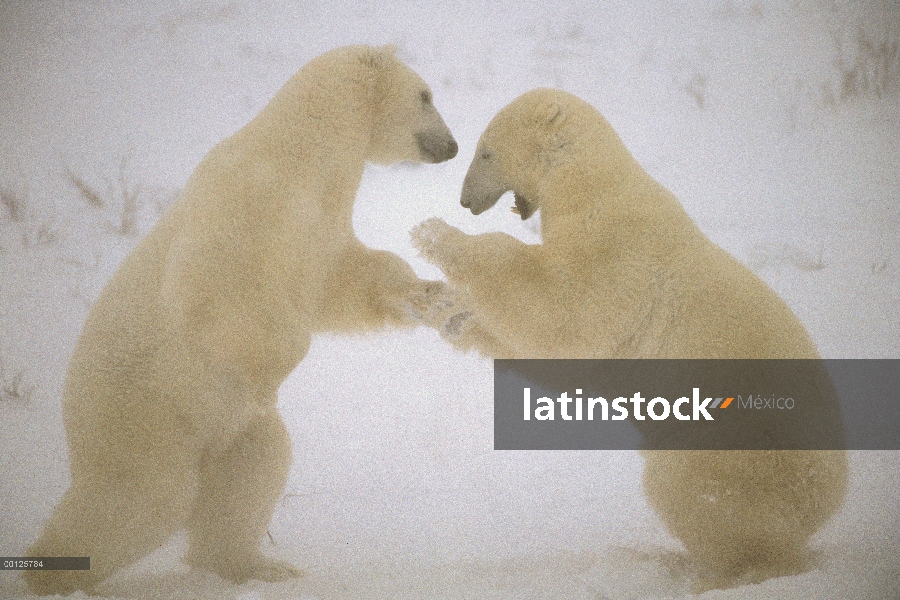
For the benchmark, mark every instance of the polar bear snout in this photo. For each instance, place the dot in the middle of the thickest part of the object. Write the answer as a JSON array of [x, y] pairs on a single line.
[[482, 187], [479, 200], [436, 147]]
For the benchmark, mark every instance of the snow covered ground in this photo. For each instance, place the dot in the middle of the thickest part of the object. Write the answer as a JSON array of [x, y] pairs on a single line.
[[777, 124]]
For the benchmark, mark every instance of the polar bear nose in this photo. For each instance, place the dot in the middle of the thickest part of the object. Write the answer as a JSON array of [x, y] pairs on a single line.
[[435, 147]]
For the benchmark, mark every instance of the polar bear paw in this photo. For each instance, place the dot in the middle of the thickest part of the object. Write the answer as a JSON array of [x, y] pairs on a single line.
[[455, 326], [430, 303], [433, 238]]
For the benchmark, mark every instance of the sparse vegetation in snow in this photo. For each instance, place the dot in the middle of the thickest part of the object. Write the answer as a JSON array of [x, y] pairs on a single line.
[[131, 207], [15, 389], [867, 67]]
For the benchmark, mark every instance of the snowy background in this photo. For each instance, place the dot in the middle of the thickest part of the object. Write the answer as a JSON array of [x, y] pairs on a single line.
[[777, 124]]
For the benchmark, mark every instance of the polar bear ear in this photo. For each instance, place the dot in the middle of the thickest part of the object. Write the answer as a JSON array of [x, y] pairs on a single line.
[[551, 115], [378, 56]]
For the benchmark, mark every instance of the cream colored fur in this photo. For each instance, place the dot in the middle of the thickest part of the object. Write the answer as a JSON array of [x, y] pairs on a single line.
[[169, 401], [623, 272]]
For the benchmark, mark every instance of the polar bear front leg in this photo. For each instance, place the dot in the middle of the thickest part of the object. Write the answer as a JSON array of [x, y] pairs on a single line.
[[479, 263], [492, 270], [369, 289]]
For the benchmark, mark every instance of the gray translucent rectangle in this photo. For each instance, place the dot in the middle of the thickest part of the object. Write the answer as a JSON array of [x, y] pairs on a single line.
[[45, 563], [775, 404]]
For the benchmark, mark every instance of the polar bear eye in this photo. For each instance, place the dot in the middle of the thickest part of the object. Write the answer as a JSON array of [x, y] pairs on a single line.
[[425, 95], [486, 155]]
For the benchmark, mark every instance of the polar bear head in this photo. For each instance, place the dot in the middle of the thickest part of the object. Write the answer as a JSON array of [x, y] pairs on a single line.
[[527, 141], [407, 126], [357, 102]]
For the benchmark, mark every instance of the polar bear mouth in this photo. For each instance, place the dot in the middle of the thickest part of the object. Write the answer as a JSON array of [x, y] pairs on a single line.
[[523, 207]]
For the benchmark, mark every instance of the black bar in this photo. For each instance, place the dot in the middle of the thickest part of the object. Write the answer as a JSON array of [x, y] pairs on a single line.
[[45, 563]]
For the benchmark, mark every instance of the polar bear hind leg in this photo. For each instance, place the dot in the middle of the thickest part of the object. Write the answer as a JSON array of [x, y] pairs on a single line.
[[238, 491], [115, 518]]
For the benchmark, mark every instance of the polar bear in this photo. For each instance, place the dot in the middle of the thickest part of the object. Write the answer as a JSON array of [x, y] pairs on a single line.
[[623, 272], [169, 399]]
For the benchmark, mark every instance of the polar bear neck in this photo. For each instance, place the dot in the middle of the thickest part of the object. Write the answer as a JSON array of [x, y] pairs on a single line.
[[299, 121], [611, 195], [315, 129]]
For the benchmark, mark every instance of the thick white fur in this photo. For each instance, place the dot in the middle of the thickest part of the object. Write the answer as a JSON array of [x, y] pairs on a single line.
[[623, 272], [169, 401]]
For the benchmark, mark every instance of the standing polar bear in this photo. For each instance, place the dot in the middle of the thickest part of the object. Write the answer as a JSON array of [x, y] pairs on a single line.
[[169, 401], [623, 272]]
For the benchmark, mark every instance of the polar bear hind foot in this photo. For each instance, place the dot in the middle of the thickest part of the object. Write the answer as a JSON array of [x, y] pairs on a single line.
[[241, 569], [754, 569], [46, 583]]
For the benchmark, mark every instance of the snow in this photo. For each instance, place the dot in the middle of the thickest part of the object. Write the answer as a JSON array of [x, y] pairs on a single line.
[[776, 124]]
